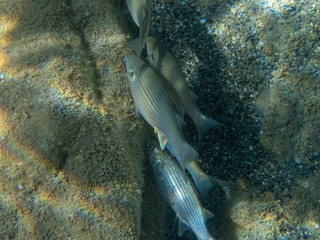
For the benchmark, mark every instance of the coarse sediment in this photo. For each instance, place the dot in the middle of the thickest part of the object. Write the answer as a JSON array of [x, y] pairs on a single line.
[[71, 148], [255, 67]]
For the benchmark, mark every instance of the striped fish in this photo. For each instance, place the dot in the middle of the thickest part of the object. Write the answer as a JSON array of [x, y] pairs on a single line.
[[161, 60], [179, 192], [152, 102]]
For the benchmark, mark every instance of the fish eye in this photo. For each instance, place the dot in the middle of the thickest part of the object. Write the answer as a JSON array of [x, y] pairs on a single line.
[[151, 147], [126, 59]]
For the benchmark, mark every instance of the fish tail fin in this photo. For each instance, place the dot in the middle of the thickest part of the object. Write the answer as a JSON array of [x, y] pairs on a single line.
[[204, 123], [201, 179], [187, 155], [205, 183], [136, 46], [222, 184]]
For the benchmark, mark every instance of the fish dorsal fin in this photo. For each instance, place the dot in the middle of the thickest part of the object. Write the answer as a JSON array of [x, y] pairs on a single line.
[[207, 214], [162, 139], [127, 76], [182, 227]]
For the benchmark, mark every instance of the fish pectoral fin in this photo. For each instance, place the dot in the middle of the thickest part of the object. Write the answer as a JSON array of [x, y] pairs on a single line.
[[127, 76], [138, 114], [207, 214], [162, 139], [182, 227]]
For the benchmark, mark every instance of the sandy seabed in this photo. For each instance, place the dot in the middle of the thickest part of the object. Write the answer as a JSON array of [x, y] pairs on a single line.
[[72, 152]]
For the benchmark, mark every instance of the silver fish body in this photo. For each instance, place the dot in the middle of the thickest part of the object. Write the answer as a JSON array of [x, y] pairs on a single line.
[[164, 63], [179, 192], [141, 14], [152, 102]]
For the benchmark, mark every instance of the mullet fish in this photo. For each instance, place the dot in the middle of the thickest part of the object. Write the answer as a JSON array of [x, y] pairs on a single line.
[[152, 102], [161, 60], [141, 14], [179, 192]]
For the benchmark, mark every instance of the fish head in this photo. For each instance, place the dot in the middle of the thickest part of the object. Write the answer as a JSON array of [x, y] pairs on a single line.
[[131, 61], [153, 151], [151, 147]]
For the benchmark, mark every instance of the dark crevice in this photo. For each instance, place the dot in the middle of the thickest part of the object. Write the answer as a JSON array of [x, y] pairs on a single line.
[[63, 159]]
